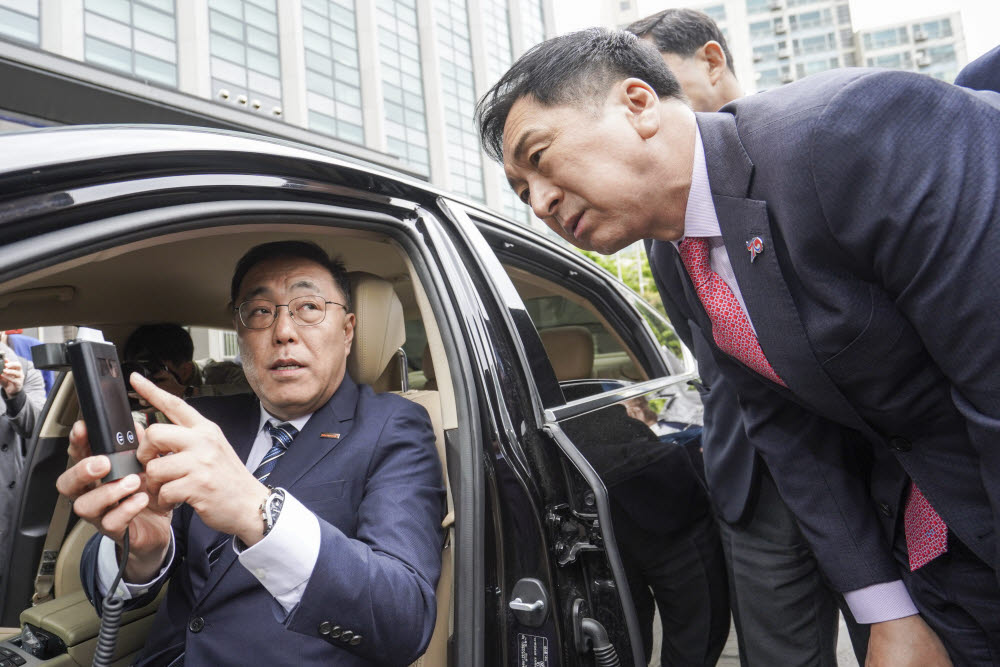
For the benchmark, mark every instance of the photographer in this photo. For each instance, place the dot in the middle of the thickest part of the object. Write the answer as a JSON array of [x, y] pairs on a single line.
[[23, 394]]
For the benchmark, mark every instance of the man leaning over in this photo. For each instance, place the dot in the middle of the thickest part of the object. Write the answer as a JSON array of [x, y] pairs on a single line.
[[844, 278], [784, 610], [341, 569]]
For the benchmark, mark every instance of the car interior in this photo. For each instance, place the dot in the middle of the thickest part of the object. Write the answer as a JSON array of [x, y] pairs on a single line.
[[184, 277]]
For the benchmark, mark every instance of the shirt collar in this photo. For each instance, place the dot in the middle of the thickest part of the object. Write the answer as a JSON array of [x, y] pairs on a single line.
[[700, 219], [266, 416]]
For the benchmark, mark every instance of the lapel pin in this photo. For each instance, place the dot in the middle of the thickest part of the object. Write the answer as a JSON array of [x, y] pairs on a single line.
[[755, 246], [329, 435]]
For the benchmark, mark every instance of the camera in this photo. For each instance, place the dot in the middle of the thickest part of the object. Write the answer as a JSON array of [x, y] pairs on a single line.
[[102, 394], [144, 367]]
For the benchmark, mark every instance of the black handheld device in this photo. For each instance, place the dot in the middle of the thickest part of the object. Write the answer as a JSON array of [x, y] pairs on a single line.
[[102, 393]]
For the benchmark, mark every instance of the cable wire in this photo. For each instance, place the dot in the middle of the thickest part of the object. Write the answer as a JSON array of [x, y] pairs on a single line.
[[111, 615]]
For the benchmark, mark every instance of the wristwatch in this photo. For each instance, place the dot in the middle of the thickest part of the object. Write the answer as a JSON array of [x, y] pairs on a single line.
[[270, 509]]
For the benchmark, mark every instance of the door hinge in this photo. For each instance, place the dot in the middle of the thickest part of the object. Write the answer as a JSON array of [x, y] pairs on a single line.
[[572, 534]]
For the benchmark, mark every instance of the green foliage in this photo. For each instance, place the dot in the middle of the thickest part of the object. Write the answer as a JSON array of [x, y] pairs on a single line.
[[631, 268]]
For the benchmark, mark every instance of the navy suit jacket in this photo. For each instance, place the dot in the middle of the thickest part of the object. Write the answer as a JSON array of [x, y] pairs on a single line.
[[875, 299], [983, 73], [377, 492], [731, 463]]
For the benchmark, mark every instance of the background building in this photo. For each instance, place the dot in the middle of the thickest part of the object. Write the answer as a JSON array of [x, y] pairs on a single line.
[[774, 42], [391, 81], [394, 82]]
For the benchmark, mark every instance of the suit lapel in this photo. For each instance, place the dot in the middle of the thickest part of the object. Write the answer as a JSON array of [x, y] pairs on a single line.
[[308, 449], [769, 302]]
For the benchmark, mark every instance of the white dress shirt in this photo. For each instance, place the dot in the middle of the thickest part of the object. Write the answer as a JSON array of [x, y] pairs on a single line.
[[282, 561], [879, 602]]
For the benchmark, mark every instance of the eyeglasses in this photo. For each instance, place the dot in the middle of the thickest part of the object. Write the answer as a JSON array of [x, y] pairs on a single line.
[[305, 311]]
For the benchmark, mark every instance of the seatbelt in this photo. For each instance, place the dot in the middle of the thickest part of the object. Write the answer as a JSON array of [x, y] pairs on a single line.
[[45, 579]]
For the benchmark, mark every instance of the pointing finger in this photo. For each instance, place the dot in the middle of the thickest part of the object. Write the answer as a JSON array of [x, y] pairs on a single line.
[[172, 406]]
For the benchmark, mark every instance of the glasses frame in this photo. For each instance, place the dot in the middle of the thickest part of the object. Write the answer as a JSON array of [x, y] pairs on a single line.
[[239, 313]]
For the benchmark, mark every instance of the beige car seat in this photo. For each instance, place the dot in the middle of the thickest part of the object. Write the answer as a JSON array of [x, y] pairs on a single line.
[[378, 335], [570, 350]]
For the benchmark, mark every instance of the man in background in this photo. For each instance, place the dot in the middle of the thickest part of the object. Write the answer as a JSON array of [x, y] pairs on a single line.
[[784, 609], [22, 395]]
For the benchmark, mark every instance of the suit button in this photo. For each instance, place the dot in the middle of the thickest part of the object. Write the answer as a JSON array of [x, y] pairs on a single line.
[[336, 631], [355, 640], [886, 510], [347, 636], [900, 444], [196, 624], [324, 628]]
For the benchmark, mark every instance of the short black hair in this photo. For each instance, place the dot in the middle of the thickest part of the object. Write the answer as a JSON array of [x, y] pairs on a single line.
[[577, 69], [164, 341], [298, 249], [681, 32]]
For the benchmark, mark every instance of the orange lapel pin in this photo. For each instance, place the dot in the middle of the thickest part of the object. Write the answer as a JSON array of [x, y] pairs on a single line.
[[329, 435]]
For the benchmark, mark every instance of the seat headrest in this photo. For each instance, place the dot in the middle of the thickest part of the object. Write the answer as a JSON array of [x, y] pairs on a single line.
[[379, 330], [570, 350]]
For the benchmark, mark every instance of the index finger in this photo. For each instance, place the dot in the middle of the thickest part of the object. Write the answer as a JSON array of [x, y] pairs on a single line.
[[173, 407]]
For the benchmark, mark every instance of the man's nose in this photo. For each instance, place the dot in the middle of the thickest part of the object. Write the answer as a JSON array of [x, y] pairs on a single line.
[[284, 326], [545, 199]]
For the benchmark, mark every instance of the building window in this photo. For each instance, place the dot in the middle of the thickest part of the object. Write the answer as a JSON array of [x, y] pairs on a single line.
[[465, 165], [716, 12], [758, 6], [532, 22], [245, 62], [882, 39], [333, 77], [761, 29], [137, 37], [402, 83], [19, 20]]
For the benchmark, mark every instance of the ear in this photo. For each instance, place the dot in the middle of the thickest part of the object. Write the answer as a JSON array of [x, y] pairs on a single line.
[[349, 331], [716, 59], [643, 106]]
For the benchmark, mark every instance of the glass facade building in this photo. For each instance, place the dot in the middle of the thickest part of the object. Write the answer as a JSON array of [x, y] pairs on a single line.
[[393, 81]]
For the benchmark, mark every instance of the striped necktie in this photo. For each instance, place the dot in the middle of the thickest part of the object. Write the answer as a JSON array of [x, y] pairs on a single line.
[[281, 437]]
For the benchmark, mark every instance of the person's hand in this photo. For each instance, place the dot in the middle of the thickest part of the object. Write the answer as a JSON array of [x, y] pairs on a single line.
[[905, 642], [12, 378], [116, 505], [168, 382], [202, 470]]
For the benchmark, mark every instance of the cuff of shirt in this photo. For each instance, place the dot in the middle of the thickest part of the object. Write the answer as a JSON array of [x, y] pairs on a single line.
[[880, 602], [107, 570], [284, 560]]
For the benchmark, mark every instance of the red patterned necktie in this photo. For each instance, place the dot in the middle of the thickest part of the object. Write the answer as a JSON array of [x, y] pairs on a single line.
[[926, 532], [730, 327]]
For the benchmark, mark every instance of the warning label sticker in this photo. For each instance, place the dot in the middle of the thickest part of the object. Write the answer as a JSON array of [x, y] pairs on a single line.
[[533, 651]]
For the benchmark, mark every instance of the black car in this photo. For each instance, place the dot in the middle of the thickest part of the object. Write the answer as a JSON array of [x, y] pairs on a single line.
[[513, 343]]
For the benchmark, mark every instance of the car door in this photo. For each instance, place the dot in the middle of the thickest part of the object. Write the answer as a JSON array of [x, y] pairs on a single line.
[[635, 363]]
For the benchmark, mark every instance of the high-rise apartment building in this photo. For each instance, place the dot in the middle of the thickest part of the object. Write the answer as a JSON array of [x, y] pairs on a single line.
[[774, 42], [392, 81], [933, 45]]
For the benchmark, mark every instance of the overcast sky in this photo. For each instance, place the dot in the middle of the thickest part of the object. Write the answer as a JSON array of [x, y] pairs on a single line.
[[980, 18]]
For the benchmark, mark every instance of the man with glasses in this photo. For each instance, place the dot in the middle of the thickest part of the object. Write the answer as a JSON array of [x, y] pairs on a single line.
[[329, 550]]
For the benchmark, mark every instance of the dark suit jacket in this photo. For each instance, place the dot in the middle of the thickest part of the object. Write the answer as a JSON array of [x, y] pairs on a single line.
[[983, 73], [731, 462], [378, 494], [875, 300]]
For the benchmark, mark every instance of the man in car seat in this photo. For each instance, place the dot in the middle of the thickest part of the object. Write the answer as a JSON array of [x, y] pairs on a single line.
[[298, 525]]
